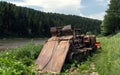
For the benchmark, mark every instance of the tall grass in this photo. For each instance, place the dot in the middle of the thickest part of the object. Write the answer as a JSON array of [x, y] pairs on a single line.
[[107, 61]]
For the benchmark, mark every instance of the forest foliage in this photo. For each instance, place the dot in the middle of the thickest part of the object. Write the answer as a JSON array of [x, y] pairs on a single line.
[[26, 22], [111, 22]]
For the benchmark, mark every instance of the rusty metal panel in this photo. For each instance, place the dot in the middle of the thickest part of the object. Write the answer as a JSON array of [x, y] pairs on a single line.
[[57, 61], [53, 55], [46, 53]]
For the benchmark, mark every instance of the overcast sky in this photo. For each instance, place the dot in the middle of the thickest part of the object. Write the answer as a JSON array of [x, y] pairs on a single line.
[[86, 8]]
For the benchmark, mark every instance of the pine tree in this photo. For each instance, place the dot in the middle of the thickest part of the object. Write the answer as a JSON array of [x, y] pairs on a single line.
[[111, 22]]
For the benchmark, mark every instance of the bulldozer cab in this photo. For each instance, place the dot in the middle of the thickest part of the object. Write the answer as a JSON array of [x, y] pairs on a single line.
[[59, 31]]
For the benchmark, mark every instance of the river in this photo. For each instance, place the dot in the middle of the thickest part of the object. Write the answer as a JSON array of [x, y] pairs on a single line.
[[18, 42]]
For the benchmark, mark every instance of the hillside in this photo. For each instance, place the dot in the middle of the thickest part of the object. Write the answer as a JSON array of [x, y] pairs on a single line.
[[26, 22], [108, 61]]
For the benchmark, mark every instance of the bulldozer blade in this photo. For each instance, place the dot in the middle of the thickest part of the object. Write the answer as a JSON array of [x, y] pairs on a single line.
[[53, 55], [44, 57]]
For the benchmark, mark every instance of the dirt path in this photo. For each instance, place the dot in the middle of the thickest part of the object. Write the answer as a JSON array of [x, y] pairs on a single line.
[[92, 65]]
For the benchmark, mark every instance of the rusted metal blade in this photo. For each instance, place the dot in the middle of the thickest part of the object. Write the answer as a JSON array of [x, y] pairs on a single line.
[[53, 55], [57, 61], [45, 55]]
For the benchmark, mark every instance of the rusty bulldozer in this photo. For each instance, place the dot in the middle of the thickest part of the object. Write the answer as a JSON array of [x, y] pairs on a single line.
[[64, 45]]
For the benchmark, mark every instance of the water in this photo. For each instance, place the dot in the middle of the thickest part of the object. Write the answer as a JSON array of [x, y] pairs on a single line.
[[18, 42]]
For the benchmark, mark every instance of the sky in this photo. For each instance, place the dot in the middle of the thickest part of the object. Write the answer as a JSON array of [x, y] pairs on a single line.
[[86, 8]]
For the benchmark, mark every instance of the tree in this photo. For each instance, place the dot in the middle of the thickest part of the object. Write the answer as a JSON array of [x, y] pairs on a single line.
[[25, 22], [111, 22]]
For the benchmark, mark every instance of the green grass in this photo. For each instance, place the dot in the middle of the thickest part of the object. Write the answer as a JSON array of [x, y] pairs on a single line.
[[19, 61], [107, 61]]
